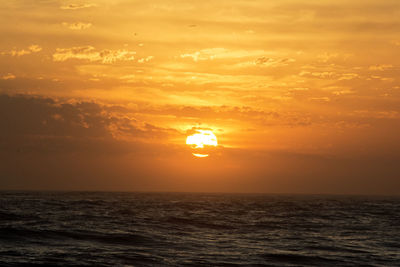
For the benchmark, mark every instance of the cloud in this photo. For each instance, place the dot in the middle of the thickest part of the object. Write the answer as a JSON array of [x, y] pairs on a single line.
[[77, 6], [325, 57], [77, 25], [8, 76], [322, 75], [130, 78], [343, 92], [35, 48], [49, 143], [378, 114], [329, 75], [381, 67], [271, 62], [263, 61], [146, 59], [221, 53], [15, 52], [396, 43], [67, 144], [206, 54], [378, 77], [232, 114], [348, 76], [27, 116], [91, 54], [320, 99]]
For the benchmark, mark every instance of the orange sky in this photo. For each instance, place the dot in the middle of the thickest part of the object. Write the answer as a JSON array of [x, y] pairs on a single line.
[[303, 96]]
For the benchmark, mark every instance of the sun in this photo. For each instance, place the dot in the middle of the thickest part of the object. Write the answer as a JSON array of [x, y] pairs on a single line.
[[200, 140]]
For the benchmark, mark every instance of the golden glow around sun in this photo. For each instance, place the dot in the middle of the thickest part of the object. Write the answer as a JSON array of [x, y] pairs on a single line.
[[201, 139]]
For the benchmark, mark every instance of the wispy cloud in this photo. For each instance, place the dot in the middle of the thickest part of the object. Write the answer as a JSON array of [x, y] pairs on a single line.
[[77, 6], [381, 67], [273, 62], [8, 76], [15, 52], [221, 53], [91, 54], [320, 99], [146, 59], [329, 75], [77, 25]]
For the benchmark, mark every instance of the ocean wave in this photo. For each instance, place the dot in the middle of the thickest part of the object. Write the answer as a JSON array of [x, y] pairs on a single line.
[[139, 229]]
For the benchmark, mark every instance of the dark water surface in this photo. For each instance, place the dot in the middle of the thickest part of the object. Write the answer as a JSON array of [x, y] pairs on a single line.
[[168, 229]]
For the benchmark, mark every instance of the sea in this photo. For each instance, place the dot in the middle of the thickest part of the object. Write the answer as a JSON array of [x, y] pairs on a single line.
[[196, 229]]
